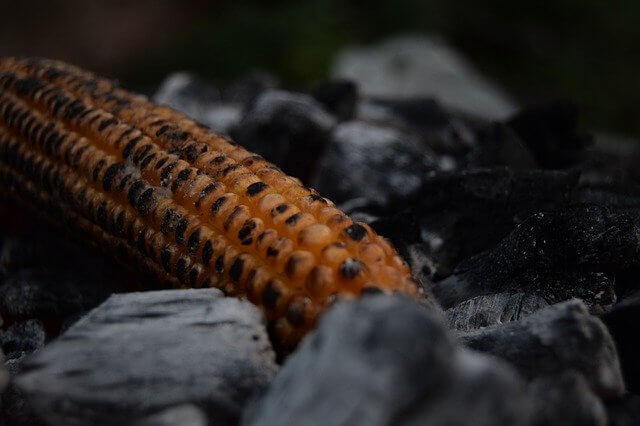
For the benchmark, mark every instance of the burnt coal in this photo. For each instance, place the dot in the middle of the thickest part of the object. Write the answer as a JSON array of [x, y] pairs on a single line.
[[555, 340], [389, 361], [456, 215], [22, 338], [139, 353], [624, 412], [375, 163], [572, 252], [499, 145], [289, 129]]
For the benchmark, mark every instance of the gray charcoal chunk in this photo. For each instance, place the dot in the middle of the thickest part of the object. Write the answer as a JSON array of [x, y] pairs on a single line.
[[181, 415], [386, 360], [139, 353], [559, 338]]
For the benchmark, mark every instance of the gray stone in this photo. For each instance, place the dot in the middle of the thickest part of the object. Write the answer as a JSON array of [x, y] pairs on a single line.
[[373, 162], [557, 339], [566, 400], [181, 415], [385, 360], [483, 311], [407, 67], [138, 353]]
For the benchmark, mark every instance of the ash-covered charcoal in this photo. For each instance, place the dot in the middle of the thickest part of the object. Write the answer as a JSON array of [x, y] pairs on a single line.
[[200, 100], [456, 215], [22, 338], [339, 97], [561, 338], [441, 130], [139, 353], [499, 145], [551, 133], [566, 400], [368, 161], [484, 311], [572, 252], [389, 361], [288, 129], [623, 322]]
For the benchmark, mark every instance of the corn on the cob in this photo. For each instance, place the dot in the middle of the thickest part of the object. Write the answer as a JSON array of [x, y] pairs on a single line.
[[163, 192]]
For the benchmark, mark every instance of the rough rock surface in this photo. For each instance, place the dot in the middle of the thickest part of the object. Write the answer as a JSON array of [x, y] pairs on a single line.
[[555, 340], [573, 252], [182, 415], [389, 361], [372, 162], [138, 353], [483, 311]]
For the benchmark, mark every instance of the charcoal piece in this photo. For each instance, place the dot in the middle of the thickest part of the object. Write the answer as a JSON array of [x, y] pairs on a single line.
[[573, 252], [182, 415], [14, 407], [441, 130], [187, 92], [288, 129], [456, 215], [566, 400], [483, 311], [50, 294], [373, 162], [551, 133], [385, 360], [498, 145], [22, 338], [624, 411], [338, 97], [139, 353], [623, 322], [560, 338], [246, 89]]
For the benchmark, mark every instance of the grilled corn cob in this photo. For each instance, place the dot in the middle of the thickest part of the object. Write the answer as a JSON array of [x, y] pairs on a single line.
[[179, 201]]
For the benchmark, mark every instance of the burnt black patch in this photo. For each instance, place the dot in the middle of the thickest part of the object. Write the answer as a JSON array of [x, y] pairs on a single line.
[[207, 252], [215, 207], [180, 230], [162, 130], [160, 163], [141, 153], [293, 219], [256, 188], [134, 191], [107, 123], [220, 264], [246, 229], [316, 197], [219, 159], [101, 214], [165, 258], [126, 152], [193, 276], [272, 252], [295, 314], [356, 232], [145, 162], [236, 211], [97, 168], [181, 268], [169, 221], [350, 268], [193, 242], [270, 295], [110, 174], [190, 153], [180, 179], [229, 169], [279, 209], [205, 192], [370, 290], [166, 172], [236, 269], [145, 202]]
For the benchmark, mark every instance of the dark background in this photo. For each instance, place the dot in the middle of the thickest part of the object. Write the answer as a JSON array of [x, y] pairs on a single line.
[[582, 50]]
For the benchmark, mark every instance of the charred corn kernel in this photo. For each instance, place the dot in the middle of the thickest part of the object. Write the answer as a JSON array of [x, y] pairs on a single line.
[[161, 191]]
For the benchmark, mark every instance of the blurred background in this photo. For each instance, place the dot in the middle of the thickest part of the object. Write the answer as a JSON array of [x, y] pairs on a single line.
[[585, 51]]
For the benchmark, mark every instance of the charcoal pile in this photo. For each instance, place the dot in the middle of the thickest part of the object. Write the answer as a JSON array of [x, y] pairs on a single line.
[[522, 229]]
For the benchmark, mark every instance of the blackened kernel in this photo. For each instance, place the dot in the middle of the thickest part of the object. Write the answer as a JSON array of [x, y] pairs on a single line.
[[193, 242], [134, 191], [256, 188], [219, 159], [215, 207], [166, 172], [293, 219], [272, 252], [207, 252], [171, 218], [350, 268], [180, 230], [246, 229], [205, 192], [295, 313], [356, 232], [180, 179], [270, 295], [160, 163], [235, 212], [220, 264], [193, 276], [165, 257], [126, 152], [236, 269], [181, 268], [110, 174], [145, 202], [106, 123], [279, 209], [145, 162], [229, 169], [370, 290], [98, 167], [141, 153]]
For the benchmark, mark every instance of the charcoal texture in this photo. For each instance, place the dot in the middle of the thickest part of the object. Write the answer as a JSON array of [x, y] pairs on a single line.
[[389, 361], [557, 339], [138, 353]]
